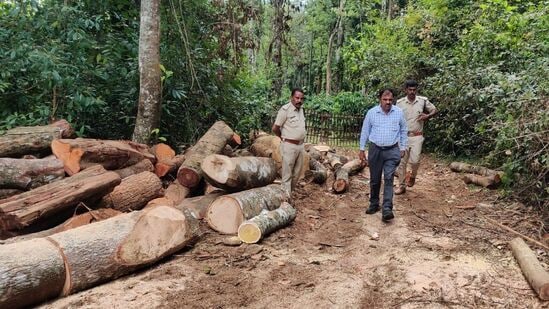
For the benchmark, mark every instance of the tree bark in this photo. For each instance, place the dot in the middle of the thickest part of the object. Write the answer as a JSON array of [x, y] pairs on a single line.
[[133, 193], [74, 222], [536, 276], [198, 205], [490, 182], [32, 271], [25, 174], [144, 165], [33, 140], [342, 175], [473, 169], [240, 173], [256, 228], [19, 211], [313, 152], [227, 212], [149, 107], [213, 141], [78, 154], [317, 172]]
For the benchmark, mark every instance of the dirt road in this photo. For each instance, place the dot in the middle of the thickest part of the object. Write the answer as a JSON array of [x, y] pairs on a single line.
[[433, 255]]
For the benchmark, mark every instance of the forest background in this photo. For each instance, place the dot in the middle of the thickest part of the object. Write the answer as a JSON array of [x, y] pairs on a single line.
[[484, 64]]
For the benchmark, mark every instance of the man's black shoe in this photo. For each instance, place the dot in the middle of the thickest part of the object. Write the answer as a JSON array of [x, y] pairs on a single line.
[[387, 215], [372, 210]]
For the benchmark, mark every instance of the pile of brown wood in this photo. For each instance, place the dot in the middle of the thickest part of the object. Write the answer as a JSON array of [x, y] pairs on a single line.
[[79, 212]]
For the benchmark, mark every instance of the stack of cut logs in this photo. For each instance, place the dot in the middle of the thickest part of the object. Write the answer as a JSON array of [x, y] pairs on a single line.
[[478, 175], [78, 212]]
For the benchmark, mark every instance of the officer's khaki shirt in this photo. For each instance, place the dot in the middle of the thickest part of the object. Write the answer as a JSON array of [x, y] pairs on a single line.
[[291, 122], [413, 110]]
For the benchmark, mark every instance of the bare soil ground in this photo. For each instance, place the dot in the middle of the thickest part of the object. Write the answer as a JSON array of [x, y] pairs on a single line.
[[433, 255]]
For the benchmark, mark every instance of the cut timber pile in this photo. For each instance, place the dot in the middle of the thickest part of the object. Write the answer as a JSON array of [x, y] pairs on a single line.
[[78, 154], [133, 193], [267, 146], [227, 212], [83, 257], [25, 174], [336, 161], [239, 173], [488, 178], [342, 175], [19, 211], [33, 140], [254, 229], [213, 141], [537, 277]]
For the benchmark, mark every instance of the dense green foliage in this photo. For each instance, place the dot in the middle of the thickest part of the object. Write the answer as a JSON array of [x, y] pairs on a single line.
[[485, 65]]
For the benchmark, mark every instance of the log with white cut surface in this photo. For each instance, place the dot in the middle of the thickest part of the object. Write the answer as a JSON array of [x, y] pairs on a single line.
[[239, 173], [254, 229], [227, 212]]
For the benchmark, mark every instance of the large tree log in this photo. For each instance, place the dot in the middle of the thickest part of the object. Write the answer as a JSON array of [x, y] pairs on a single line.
[[19, 211], [26, 174], [133, 193], [342, 175], [239, 173], [537, 277], [198, 205], [108, 249], [83, 257], [313, 152], [144, 165], [490, 182], [74, 222], [227, 212], [32, 271], [317, 172], [32, 140], [473, 169], [254, 229], [213, 141], [80, 153], [176, 192], [267, 146]]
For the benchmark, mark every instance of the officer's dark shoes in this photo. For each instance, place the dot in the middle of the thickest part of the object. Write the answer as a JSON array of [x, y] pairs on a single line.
[[372, 210], [387, 215]]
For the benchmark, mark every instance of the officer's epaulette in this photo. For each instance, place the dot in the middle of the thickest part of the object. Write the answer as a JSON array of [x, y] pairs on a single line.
[[286, 106], [401, 100], [422, 98]]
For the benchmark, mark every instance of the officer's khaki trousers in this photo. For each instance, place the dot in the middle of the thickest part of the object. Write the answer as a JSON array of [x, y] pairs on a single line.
[[292, 163], [411, 157]]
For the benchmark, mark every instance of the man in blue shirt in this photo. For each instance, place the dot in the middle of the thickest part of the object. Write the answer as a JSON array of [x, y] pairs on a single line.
[[384, 128]]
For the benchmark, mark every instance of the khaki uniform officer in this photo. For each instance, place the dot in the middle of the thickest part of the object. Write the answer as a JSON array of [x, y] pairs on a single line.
[[416, 110], [290, 127]]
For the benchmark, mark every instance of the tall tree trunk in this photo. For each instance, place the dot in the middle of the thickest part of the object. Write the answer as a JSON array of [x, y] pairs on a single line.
[[148, 114], [276, 48], [339, 46], [329, 63]]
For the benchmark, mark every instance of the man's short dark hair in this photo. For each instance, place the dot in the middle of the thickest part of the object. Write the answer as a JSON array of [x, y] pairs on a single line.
[[410, 83], [383, 90], [294, 90]]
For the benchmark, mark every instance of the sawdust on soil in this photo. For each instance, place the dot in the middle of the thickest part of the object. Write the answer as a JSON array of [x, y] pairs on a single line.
[[434, 254]]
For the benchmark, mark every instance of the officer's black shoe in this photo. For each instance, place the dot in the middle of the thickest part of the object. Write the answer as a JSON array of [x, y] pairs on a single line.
[[372, 210], [387, 215]]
